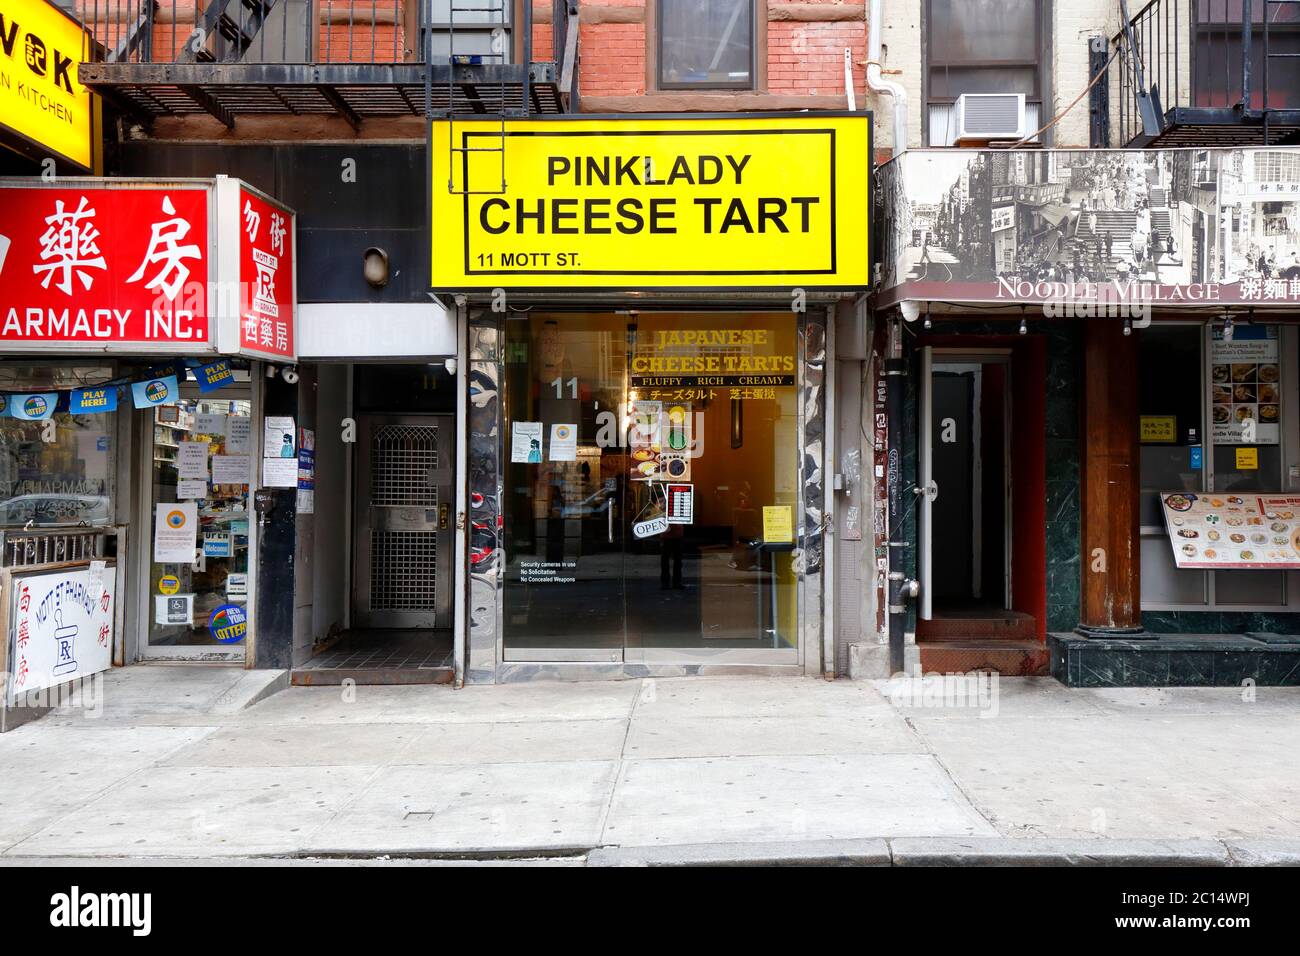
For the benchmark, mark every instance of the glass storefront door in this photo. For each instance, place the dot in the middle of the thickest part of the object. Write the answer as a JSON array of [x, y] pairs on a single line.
[[651, 500], [566, 377], [200, 459]]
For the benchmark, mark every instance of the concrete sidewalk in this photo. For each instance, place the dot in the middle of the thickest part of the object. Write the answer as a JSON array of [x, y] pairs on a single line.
[[660, 772]]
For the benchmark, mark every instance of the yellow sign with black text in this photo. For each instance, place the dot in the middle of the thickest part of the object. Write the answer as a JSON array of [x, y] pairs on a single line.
[[626, 204], [1158, 428], [44, 109]]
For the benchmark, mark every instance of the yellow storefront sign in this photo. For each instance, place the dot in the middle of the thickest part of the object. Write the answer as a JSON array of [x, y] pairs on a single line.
[[1247, 459], [42, 103], [1158, 428], [623, 204]]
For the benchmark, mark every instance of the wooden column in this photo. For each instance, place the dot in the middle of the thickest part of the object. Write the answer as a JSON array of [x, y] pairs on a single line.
[[1110, 602]]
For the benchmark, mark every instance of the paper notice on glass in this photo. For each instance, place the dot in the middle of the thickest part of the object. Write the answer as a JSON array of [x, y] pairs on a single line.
[[230, 469], [778, 527], [175, 531], [192, 459], [564, 443], [176, 610], [306, 501], [95, 578], [239, 432], [280, 472], [526, 442], [278, 439], [210, 423], [190, 488], [92, 449]]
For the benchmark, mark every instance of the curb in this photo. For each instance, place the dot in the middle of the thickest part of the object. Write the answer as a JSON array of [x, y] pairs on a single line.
[[1279, 852], [1008, 851], [948, 851], [807, 853]]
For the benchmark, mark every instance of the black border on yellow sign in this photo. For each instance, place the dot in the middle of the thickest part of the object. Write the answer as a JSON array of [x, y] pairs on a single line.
[[466, 134], [561, 293]]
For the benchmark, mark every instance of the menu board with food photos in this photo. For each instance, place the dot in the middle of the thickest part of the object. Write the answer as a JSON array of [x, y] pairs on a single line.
[[1233, 531], [1245, 386]]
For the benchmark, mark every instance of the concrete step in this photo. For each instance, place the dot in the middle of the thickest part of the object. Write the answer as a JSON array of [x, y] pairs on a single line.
[[334, 676], [976, 626], [1010, 658]]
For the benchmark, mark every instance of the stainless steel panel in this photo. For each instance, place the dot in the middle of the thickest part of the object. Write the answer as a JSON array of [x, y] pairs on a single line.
[[812, 434], [485, 490], [403, 534]]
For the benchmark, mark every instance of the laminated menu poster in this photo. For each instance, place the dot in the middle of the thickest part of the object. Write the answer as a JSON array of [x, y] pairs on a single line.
[[1246, 387], [1218, 530]]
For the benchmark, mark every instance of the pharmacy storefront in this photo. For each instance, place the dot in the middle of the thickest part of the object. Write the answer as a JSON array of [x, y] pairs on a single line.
[[135, 318], [646, 304]]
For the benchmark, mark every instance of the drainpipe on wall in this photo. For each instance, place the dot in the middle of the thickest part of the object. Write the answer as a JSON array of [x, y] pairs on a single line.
[[876, 77]]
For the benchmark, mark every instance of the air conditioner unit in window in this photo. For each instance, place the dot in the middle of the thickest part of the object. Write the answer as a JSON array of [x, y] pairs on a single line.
[[982, 118]]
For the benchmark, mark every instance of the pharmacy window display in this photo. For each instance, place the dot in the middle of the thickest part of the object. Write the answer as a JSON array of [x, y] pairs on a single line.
[[56, 450], [202, 466]]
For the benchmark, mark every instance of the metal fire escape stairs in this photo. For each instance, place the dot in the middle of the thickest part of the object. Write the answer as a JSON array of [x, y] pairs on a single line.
[[1148, 98], [1271, 9], [225, 31], [138, 36], [460, 79]]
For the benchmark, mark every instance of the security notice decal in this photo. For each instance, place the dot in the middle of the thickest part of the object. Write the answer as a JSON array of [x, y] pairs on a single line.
[[619, 203]]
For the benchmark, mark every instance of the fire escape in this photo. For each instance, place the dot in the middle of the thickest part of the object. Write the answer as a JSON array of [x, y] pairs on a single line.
[[360, 60], [1199, 73]]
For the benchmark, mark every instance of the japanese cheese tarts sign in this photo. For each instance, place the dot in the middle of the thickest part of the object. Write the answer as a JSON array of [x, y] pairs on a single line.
[[1233, 531], [627, 204], [131, 266]]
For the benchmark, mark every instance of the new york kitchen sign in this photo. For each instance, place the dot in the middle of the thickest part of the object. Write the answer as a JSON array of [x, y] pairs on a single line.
[[184, 267]]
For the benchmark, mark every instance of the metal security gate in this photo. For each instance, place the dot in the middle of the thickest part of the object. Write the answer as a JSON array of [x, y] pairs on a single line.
[[403, 522]]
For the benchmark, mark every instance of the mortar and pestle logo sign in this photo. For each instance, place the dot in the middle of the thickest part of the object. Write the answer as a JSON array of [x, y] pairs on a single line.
[[63, 639]]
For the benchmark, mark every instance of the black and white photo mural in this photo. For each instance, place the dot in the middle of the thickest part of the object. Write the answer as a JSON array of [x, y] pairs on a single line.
[[1179, 226]]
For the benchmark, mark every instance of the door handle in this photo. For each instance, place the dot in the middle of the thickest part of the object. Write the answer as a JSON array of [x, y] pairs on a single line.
[[930, 491], [611, 521]]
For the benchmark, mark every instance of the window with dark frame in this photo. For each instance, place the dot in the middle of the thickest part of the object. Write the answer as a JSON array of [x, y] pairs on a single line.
[[981, 46], [1217, 50], [706, 44]]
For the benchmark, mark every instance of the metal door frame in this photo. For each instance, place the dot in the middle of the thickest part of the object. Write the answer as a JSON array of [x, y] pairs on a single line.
[[925, 485], [809, 480], [361, 616]]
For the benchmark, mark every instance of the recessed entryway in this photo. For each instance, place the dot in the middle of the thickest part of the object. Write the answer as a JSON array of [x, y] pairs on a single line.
[[980, 477]]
